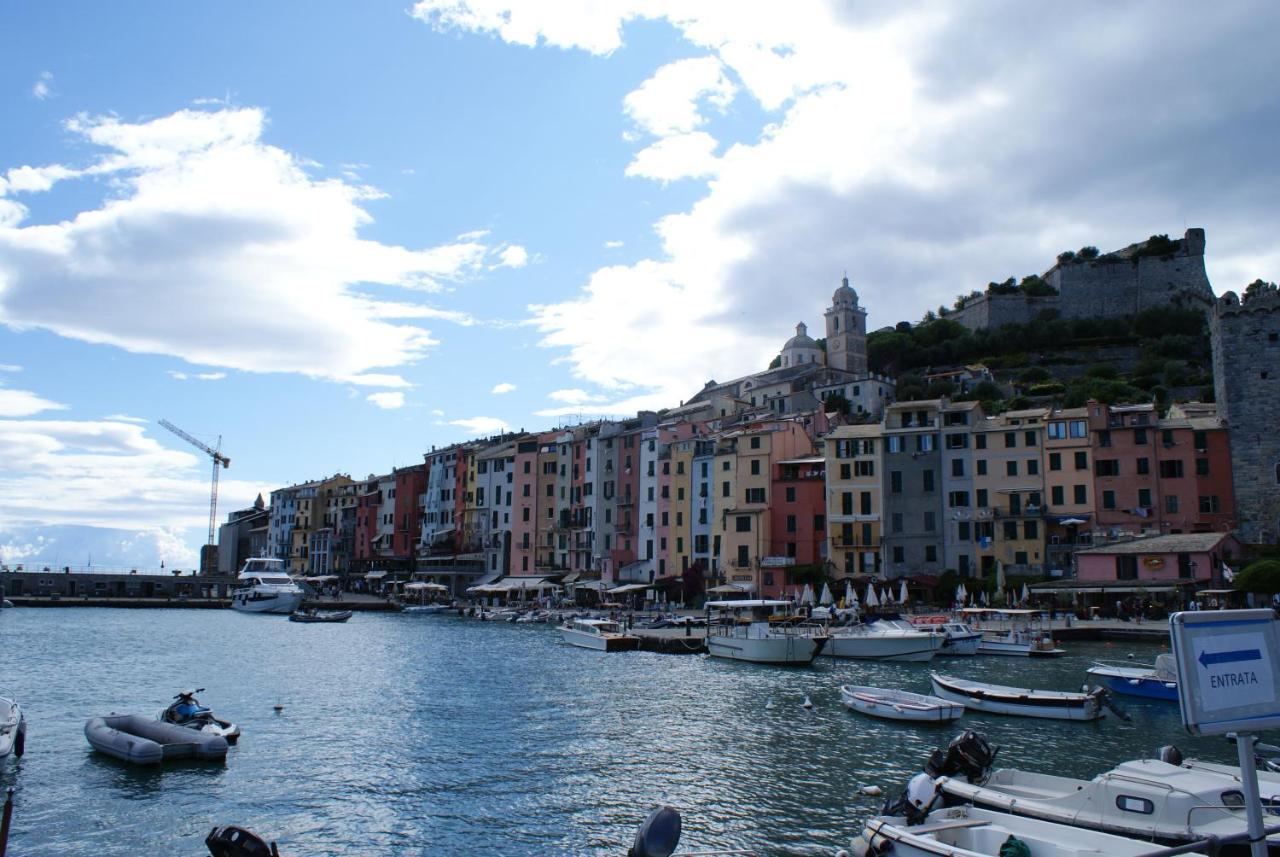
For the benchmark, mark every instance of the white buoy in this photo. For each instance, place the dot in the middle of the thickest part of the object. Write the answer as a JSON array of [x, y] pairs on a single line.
[[871, 791], [807, 703]]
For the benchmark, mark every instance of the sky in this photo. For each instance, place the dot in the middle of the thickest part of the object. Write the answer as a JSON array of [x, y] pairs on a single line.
[[330, 235]]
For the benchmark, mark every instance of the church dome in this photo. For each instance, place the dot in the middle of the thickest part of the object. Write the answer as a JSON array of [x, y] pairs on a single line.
[[802, 339], [845, 295], [801, 349]]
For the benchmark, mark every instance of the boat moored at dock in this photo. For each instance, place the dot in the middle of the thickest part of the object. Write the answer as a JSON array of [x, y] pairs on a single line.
[[142, 741], [13, 728], [602, 635], [1156, 681], [742, 631], [264, 586], [1023, 702], [884, 640]]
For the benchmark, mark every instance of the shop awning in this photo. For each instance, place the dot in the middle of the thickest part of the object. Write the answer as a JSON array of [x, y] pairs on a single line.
[[628, 587], [375, 575], [731, 588]]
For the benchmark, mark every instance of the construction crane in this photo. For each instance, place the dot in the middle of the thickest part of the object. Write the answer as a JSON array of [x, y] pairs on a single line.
[[218, 458]]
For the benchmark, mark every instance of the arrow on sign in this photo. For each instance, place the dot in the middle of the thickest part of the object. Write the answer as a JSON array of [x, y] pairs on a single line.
[[1208, 659]]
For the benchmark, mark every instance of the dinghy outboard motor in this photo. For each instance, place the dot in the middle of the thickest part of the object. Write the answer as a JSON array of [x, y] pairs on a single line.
[[1170, 755], [916, 800], [233, 841], [969, 754], [658, 836]]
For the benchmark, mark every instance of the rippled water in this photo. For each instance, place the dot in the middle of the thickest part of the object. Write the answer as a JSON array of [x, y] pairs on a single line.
[[436, 735]]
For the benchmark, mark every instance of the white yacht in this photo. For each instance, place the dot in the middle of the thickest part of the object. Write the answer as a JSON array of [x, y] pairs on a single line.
[[603, 635], [884, 640], [741, 631], [264, 586]]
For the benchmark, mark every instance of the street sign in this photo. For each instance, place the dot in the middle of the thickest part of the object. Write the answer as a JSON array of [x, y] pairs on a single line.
[[1228, 670]]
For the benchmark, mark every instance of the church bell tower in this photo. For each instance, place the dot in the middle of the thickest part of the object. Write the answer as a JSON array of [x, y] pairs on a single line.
[[846, 331]]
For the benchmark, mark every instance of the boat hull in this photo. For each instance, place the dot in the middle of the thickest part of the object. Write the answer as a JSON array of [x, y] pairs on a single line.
[[1076, 706], [600, 643], [783, 651], [13, 729], [960, 646], [874, 647], [280, 602], [1141, 687], [914, 707], [1017, 650], [133, 738]]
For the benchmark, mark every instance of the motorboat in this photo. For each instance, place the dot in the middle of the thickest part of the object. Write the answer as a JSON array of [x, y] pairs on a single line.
[[13, 728], [899, 704], [1164, 801], [883, 640], [1023, 702], [264, 586], [1025, 638], [320, 616], [603, 635], [186, 711], [742, 631], [966, 831], [1155, 681], [137, 739], [959, 640]]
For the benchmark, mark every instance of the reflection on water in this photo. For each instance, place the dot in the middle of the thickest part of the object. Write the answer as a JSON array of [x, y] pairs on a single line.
[[434, 735]]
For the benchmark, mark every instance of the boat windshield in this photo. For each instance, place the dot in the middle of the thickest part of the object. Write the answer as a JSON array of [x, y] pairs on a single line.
[[275, 581]]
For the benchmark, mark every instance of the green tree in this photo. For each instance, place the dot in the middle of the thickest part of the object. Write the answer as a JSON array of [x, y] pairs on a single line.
[[775, 362], [1257, 289], [1066, 256], [1262, 577], [1034, 286], [837, 403], [1034, 374], [1087, 252]]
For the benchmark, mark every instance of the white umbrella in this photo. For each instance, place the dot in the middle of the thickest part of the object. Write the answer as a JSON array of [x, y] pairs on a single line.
[[872, 600], [825, 599], [959, 593], [849, 597], [999, 575], [902, 592], [807, 597], [1025, 595], [983, 598]]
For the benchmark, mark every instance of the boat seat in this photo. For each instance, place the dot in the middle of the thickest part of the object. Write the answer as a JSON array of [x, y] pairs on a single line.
[[955, 824]]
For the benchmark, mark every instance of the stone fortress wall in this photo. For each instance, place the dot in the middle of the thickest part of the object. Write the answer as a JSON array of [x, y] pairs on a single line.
[[1246, 380], [1114, 285]]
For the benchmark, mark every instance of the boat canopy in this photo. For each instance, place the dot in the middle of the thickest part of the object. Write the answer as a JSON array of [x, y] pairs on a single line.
[[735, 605], [730, 588], [426, 586]]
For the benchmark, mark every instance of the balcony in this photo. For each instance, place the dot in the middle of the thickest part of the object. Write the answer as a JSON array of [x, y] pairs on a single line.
[[626, 500], [1026, 512]]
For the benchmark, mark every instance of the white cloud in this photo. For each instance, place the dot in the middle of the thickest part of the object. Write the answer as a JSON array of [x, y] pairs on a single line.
[[210, 376], [375, 379], [513, 256], [386, 401], [683, 156], [667, 103], [21, 403], [198, 376], [572, 396], [106, 473], [43, 87], [10, 367], [125, 418], [481, 425], [504, 387], [612, 245], [200, 205]]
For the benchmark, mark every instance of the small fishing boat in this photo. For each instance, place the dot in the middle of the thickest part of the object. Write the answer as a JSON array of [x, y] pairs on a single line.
[[965, 831], [883, 640], [602, 635], [899, 704], [137, 739], [13, 728], [319, 616], [1155, 681], [959, 640], [1026, 637], [1023, 702], [742, 631]]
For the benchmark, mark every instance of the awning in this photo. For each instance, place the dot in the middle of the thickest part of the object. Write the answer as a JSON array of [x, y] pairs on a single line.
[[730, 588], [589, 584], [628, 587], [571, 577], [320, 578], [375, 575], [426, 586]]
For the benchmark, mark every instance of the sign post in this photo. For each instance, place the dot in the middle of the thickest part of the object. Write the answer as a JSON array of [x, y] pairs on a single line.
[[1229, 681]]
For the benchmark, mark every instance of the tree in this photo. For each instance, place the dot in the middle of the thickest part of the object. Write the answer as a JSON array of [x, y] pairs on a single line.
[[1257, 289], [1087, 252], [1262, 577], [775, 362], [1034, 374], [837, 403], [1066, 256], [1034, 286]]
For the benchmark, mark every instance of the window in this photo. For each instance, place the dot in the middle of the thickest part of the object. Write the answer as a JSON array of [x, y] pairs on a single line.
[[1057, 431], [1107, 467], [1010, 531], [896, 522], [1029, 438], [1082, 461], [1171, 503], [1166, 437], [895, 481], [1140, 436], [924, 443], [980, 497], [980, 442], [958, 499], [1144, 496], [1031, 529], [791, 494], [982, 467], [1080, 494], [1202, 467], [1126, 567], [957, 467], [1200, 439], [1108, 499], [791, 523], [1104, 438], [864, 468], [866, 534], [865, 502], [755, 465], [755, 495], [928, 481], [1079, 428], [894, 443], [755, 442], [899, 555], [742, 523], [1033, 466], [1058, 495], [725, 490], [1171, 469], [957, 441], [1144, 466], [930, 553], [1010, 439], [1055, 461], [725, 465], [846, 471], [1011, 468], [744, 556], [1209, 505], [846, 503], [930, 522], [819, 523], [962, 531]]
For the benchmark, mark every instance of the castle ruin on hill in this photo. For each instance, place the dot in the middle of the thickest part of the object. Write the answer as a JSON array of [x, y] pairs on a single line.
[[1112, 285]]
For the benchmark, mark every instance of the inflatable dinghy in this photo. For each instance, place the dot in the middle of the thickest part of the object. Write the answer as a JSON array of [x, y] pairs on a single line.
[[143, 741]]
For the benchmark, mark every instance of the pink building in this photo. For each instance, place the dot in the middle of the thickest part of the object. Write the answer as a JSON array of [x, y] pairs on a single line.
[[797, 523], [1191, 560]]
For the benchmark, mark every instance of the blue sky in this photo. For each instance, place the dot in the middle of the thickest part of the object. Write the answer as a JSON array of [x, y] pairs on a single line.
[[330, 232]]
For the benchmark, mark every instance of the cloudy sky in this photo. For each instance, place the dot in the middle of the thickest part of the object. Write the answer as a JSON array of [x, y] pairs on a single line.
[[337, 234]]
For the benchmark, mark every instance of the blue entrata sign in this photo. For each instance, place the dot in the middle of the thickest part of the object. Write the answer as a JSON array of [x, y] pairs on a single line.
[[1228, 670]]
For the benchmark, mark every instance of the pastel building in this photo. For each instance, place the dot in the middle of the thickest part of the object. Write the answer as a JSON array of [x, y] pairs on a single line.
[[854, 470]]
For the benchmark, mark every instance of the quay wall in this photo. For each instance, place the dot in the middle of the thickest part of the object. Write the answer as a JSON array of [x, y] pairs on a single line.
[[77, 584]]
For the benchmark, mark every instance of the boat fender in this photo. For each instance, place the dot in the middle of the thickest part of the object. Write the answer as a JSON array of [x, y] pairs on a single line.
[[20, 742], [860, 847]]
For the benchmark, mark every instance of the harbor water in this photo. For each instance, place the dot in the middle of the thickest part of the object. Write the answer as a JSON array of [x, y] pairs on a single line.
[[410, 734]]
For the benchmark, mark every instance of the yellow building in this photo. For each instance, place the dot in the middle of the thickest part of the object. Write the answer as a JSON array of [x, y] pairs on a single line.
[[855, 467], [1008, 481], [1068, 469]]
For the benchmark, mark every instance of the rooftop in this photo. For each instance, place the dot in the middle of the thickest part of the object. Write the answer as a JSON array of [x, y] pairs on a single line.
[[1177, 543]]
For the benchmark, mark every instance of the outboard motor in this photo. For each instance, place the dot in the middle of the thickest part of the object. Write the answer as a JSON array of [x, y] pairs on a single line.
[[969, 754], [658, 836], [916, 800], [231, 841], [1170, 755]]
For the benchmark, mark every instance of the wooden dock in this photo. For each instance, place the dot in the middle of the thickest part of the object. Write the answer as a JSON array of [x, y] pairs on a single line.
[[672, 641]]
